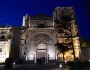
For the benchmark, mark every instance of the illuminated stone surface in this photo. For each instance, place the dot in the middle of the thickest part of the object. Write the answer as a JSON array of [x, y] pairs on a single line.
[[37, 36]]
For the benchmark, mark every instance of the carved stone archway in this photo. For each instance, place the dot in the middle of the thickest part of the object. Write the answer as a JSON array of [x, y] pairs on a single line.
[[41, 52], [40, 45]]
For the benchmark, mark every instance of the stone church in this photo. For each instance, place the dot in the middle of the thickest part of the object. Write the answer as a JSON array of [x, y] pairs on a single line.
[[36, 38]]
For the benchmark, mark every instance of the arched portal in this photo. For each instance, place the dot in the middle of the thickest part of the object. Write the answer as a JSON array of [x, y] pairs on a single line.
[[41, 52], [40, 46]]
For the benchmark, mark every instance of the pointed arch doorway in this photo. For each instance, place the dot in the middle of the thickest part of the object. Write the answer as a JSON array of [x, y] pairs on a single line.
[[41, 52]]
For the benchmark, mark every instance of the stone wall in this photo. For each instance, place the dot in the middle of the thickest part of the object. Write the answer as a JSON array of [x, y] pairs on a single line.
[[85, 54]]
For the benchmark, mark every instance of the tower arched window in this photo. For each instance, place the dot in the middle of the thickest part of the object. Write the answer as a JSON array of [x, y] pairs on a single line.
[[65, 18]]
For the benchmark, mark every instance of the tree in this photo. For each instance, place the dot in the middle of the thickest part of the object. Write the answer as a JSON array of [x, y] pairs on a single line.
[[62, 48], [88, 43], [83, 42], [63, 27]]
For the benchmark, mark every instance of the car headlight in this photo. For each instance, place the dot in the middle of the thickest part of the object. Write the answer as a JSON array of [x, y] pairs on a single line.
[[65, 61], [14, 63], [60, 65]]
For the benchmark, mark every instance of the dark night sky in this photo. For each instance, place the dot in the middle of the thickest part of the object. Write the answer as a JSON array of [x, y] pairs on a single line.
[[12, 11]]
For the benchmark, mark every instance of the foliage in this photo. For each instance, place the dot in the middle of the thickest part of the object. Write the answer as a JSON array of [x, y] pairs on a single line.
[[85, 42], [63, 27], [62, 48], [88, 43]]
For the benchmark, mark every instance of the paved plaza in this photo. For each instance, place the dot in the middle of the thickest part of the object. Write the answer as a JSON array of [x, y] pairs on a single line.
[[42, 67]]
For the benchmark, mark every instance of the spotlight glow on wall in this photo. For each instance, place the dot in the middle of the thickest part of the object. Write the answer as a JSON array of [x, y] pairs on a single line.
[[5, 45]]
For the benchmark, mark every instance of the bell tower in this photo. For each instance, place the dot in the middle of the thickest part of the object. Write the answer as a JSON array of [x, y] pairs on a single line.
[[67, 30]]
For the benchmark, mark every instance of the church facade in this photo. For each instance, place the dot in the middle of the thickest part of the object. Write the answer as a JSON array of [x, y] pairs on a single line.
[[37, 36]]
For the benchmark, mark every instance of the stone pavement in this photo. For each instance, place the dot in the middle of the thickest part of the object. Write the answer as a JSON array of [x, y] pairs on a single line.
[[32, 67], [49, 66]]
